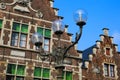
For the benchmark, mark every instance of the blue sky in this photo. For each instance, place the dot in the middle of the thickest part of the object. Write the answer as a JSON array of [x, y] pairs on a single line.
[[101, 14]]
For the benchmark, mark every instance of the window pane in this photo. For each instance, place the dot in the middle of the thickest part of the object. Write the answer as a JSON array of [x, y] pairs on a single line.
[[46, 73], [15, 35], [1, 21], [11, 68], [112, 70], [20, 70], [9, 77], [47, 33], [40, 30], [14, 41], [106, 69], [24, 28], [46, 48], [23, 40], [16, 26], [46, 44], [37, 72], [68, 75], [47, 41]]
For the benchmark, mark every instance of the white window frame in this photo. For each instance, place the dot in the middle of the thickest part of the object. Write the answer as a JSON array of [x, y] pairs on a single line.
[[109, 72]]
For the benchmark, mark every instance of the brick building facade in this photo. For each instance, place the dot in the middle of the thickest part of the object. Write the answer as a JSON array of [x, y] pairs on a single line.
[[19, 59], [101, 61]]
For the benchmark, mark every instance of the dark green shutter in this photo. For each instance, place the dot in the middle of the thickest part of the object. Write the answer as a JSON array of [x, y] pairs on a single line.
[[47, 33]]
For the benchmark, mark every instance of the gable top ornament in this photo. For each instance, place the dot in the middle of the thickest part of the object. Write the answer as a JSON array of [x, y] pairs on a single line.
[[24, 7]]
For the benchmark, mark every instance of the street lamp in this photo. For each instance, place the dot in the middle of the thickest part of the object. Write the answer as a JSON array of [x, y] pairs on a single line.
[[60, 53]]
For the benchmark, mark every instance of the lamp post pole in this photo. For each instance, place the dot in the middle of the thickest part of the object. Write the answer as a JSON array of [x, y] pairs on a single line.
[[60, 53]]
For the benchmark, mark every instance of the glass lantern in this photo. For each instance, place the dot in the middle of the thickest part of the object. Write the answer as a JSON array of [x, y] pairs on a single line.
[[37, 39], [58, 27], [80, 17]]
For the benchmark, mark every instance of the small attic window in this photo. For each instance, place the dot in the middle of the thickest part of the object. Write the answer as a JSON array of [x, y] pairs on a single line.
[[108, 51]]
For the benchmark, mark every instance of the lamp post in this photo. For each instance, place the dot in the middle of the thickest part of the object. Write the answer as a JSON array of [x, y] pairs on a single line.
[[61, 53]]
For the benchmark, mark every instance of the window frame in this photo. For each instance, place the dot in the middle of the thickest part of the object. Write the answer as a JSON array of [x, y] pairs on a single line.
[[109, 72], [42, 76], [65, 73], [15, 75], [42, 31], [108, 52], [18, 28]]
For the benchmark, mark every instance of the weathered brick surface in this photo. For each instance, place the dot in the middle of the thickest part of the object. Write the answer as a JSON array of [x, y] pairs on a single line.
[[99, 58], [48, 15]]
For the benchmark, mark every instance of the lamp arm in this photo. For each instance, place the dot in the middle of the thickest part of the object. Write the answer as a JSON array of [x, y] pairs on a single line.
[[76, 41]]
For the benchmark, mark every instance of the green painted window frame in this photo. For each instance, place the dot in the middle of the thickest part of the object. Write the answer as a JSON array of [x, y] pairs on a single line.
[[46, 73], [47, 33], [11, 69], [16, 26], [1, 23], [40, 30], [16, 70], [41, 73], [37, 71], [24, 28], [20, 70], [67, 75]]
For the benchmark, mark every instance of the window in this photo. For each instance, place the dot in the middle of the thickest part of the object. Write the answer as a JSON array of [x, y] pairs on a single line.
[[47, 35], [19, 35], [1, 23], [41, 73], [67, 75], [108, 51], [15, 72], [109, 70]]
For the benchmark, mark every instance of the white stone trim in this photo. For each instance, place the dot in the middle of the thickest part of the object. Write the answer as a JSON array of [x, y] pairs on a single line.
[[94, 50], [90, 57], [102, 38], [62, 40], [86, 64], [98, 44], [11, 3], [51, 3], [25, 16], [21, 8], [115, 70]]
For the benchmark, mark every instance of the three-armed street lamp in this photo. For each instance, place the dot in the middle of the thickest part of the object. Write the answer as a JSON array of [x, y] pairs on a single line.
[[61, 53]]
